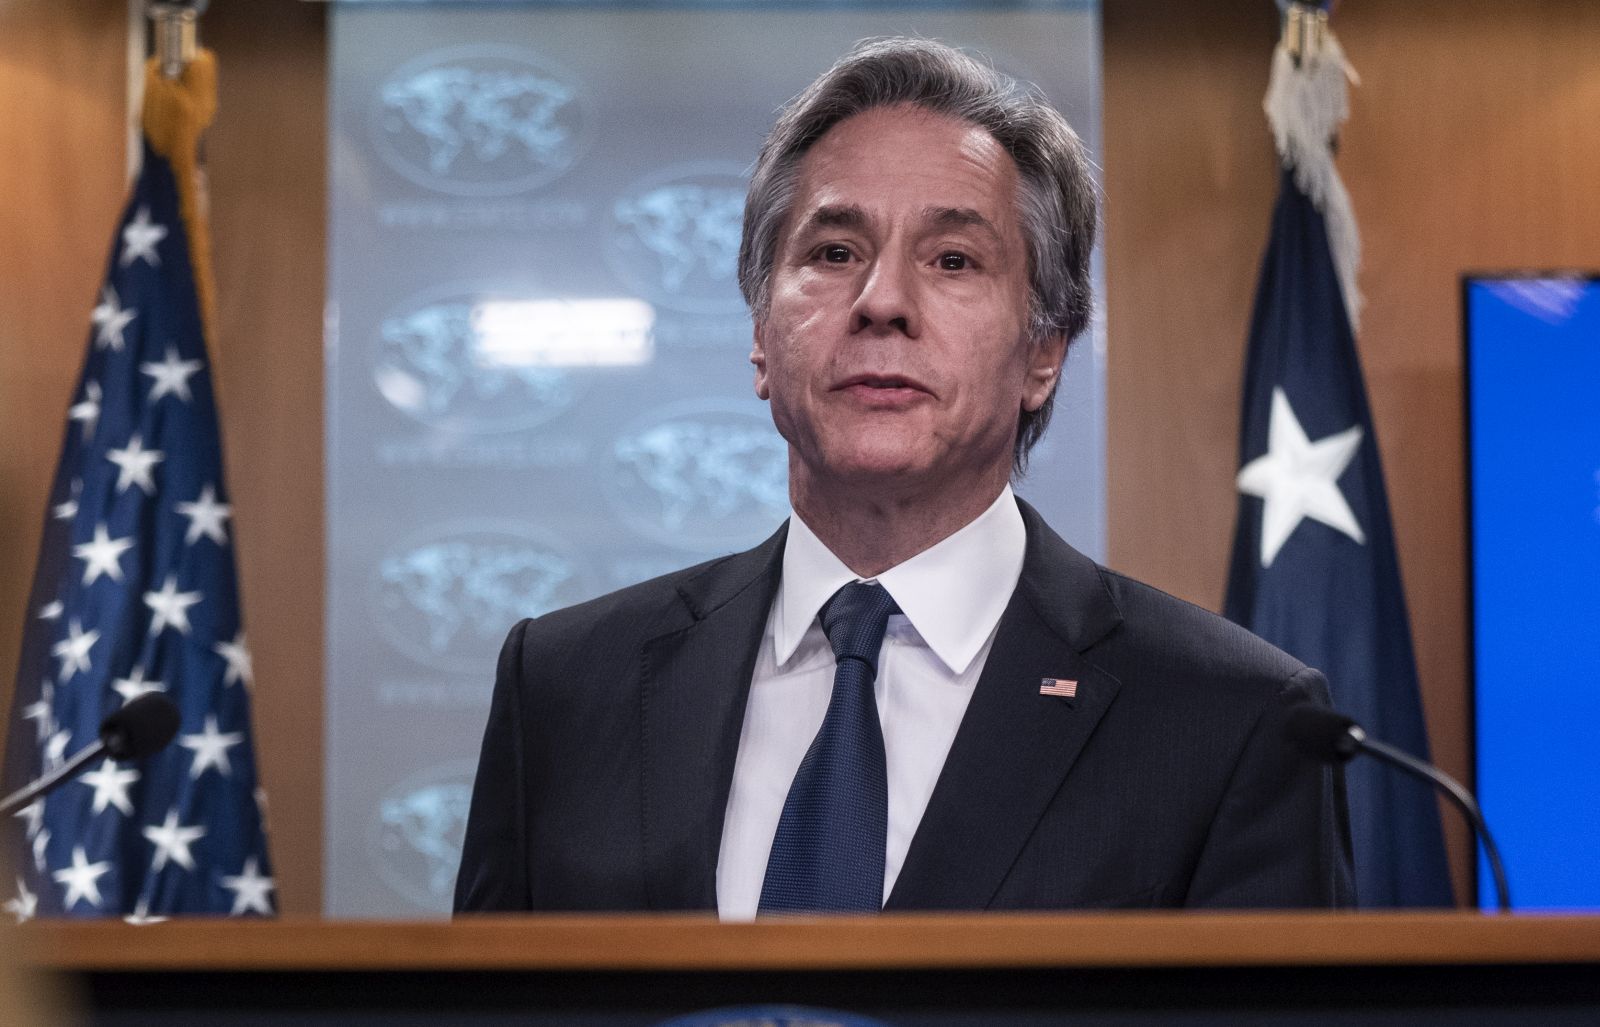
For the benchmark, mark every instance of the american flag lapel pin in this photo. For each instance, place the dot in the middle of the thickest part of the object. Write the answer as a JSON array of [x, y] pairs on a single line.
[[1058, 687]]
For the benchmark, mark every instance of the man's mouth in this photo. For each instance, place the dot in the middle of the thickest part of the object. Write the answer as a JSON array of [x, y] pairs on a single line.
[[887, 383]]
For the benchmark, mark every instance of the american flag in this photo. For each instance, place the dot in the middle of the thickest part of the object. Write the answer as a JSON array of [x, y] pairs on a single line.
[[1059, 688], [136, 591]]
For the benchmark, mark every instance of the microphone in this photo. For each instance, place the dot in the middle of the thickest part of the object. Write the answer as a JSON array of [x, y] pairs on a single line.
[[141, 728], [1331, 737]]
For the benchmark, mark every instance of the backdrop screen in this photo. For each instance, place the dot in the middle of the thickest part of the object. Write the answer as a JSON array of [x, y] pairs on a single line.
[[1533, 372], [538, 384]]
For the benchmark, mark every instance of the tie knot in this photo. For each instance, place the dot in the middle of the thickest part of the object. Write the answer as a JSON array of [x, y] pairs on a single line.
[[854, 621]]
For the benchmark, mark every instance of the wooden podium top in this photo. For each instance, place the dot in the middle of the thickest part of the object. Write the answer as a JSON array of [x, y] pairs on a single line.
[[896, 942]]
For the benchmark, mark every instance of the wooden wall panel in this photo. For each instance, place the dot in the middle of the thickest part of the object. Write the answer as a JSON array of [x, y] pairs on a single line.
[[63, 145], [268, 198], [1473, 144], [1189, 179]]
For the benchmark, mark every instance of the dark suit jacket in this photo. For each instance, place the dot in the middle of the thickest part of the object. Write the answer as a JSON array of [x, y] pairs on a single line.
[[1167, 781]]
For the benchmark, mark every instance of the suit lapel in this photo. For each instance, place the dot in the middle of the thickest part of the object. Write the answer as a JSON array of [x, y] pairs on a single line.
[[1015, 746], [695, 681]]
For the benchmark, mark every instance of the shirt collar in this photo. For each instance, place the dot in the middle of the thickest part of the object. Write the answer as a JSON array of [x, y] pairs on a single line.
[[953, 593]]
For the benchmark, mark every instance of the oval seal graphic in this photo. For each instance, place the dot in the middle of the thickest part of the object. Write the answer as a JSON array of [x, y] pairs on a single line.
[[704, 475], [479, 121], [674, 236], [771, 1016], [447, 598], [429, 362], [414, 838]]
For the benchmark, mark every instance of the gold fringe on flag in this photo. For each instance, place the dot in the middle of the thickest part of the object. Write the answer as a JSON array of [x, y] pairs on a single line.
[[176, 112]]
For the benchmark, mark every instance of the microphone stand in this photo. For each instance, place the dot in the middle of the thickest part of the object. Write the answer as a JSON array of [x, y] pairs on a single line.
[[1459, 795], [61, 775]]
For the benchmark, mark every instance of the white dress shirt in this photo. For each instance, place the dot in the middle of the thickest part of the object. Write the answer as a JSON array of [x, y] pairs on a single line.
[[951, 597]]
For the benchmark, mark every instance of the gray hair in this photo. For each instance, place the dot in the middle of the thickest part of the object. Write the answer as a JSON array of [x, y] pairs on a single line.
[[1057, 195]]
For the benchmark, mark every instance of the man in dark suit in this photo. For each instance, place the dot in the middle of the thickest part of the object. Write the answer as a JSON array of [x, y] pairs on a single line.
[[915, 695]]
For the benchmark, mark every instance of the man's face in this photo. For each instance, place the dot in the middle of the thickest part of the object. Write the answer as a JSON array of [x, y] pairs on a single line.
[[895, 349]]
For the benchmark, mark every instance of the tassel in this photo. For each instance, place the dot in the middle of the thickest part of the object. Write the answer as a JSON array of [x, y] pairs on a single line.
[[1307, 101], [176, 112]]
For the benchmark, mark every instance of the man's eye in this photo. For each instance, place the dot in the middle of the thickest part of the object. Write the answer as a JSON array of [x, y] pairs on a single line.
[[835, 254], [953, 262]]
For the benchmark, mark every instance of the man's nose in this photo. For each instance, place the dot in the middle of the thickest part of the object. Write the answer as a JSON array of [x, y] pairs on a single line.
[[888, 298]]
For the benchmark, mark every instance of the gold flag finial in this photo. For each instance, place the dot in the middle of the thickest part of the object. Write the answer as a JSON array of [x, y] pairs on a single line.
[[176, 33], [1305, 30]]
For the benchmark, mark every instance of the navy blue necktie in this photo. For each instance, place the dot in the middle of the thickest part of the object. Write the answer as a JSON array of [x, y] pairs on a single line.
[[828, 854]]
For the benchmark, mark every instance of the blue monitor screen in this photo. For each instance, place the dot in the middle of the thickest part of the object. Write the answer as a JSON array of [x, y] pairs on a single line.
[[1533, 383]]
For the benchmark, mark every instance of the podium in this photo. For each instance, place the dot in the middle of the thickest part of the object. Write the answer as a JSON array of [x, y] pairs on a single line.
[[907, 970]]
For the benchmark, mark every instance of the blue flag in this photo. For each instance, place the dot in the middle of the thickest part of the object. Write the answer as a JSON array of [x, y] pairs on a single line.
[[1314, 568], [136, 591]]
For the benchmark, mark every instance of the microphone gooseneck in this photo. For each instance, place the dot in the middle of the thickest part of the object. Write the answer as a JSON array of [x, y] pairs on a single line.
[[141, 728], [1331, 737]]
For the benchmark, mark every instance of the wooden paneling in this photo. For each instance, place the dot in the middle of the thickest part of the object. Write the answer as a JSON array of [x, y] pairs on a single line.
[[1189, 179], [1473, 144], [267, 172], [62, 171]]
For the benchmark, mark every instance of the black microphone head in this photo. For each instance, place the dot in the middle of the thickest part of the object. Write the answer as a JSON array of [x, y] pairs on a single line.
[[141, 728], [1322, 734]]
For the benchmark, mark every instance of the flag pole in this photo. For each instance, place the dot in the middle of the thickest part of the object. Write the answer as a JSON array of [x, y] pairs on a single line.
[[176, 35], [180, 100]]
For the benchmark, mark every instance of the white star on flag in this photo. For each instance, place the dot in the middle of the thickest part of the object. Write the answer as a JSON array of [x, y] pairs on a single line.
[[136, 463], [206, 517], [33, 813], [110, 783], [251, 890], [24, 905], [134, 685], [238, 656], [171, 376], [73, 651], [172, 841], [41, 845], [139, 239], [171, 607], [110, 318], [55, 749], [1299, 478], [42, 711], [52, 610], [210, 748], [82, 879], [87, 410], [67, 509], [103, 555]]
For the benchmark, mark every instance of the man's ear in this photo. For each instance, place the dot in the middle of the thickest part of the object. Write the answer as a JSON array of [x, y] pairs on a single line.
[[1044, 370], [758, 357]]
